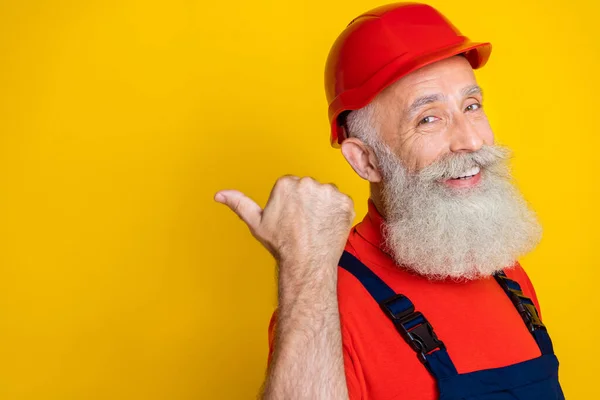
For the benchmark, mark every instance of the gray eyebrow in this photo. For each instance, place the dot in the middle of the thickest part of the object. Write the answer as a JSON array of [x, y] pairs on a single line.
[[471, 90], [423, 101]]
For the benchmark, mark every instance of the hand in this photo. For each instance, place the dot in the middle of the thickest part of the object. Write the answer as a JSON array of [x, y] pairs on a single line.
[[304, 222]]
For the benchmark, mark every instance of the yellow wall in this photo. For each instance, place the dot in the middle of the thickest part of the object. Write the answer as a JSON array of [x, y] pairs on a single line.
[[119, 276]]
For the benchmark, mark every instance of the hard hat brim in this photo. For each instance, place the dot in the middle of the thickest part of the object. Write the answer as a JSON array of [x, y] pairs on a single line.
[[476, 53]]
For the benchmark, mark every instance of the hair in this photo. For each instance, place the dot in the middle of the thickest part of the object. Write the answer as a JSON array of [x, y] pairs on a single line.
[[361, 124]]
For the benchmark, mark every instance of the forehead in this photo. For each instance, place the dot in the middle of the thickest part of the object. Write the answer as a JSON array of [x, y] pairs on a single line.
[[447, 77]]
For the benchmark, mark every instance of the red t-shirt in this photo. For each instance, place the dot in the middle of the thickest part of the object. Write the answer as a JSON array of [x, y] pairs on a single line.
[[476, 320]]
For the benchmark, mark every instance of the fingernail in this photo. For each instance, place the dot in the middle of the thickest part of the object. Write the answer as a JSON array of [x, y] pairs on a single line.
[[219, 197]]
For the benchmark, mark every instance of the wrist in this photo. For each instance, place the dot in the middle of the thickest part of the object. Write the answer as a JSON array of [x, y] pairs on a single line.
[[307, 284], [312, 262], [306, 273]]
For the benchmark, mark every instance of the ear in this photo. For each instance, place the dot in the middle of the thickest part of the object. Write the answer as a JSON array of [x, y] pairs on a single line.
[[362, 159]]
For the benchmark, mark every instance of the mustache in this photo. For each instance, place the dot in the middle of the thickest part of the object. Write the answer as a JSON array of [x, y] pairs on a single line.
[[489, 157]]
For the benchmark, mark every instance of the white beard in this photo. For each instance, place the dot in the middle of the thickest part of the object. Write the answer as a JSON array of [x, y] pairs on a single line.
[[440, 232]]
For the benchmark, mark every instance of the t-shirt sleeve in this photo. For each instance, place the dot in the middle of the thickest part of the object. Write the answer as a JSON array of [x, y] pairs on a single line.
[[354, 391], [352, 369], [518, 274]]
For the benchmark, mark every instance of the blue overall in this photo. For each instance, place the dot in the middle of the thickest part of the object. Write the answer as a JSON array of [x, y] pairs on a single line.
[[535, 379]]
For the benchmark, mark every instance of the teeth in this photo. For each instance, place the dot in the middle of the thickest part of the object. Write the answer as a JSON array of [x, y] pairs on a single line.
[[469, 173]]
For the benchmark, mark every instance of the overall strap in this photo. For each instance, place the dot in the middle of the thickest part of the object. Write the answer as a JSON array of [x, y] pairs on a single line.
[[412, 325], [527, 310]]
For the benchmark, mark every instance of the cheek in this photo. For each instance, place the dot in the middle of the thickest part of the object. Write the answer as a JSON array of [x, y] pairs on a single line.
[[425, 151]]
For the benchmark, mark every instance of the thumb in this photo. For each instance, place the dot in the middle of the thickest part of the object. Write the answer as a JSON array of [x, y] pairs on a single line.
[[242, 205]]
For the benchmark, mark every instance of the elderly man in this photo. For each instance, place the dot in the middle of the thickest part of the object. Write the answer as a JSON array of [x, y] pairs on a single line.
[[425, 298]]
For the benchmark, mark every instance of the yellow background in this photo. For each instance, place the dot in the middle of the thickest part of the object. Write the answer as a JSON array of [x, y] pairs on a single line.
[[121, 279]]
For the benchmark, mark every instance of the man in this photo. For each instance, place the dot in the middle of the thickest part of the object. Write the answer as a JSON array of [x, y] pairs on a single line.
[[425, 298]]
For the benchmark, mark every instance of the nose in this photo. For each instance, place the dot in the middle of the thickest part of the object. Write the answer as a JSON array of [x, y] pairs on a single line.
[[464, 136]]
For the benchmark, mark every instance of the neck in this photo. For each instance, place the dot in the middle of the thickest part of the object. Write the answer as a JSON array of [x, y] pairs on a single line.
[[377, 198]]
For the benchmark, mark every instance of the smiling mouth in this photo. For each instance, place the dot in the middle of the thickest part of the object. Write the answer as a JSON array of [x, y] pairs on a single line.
[[468, 174], [468, 178]]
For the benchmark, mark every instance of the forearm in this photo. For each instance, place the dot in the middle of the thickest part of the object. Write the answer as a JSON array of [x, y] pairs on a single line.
[[308, 361]]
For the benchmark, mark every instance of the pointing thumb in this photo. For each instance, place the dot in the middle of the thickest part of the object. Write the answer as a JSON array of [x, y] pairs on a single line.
[[242, 205]]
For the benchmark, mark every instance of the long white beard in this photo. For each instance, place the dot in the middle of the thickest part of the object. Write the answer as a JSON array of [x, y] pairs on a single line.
[[440, 232]]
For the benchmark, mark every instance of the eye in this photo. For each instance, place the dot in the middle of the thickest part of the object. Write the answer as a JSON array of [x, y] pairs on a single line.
[[428, 119], [473, 107]]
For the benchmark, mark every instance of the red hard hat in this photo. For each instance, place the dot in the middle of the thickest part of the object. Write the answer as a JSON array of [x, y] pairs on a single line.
[[383, 45]]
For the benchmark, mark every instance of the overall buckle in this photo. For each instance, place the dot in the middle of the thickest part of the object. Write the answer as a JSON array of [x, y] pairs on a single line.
[[413, 327], [421, 337], [528, 311]]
